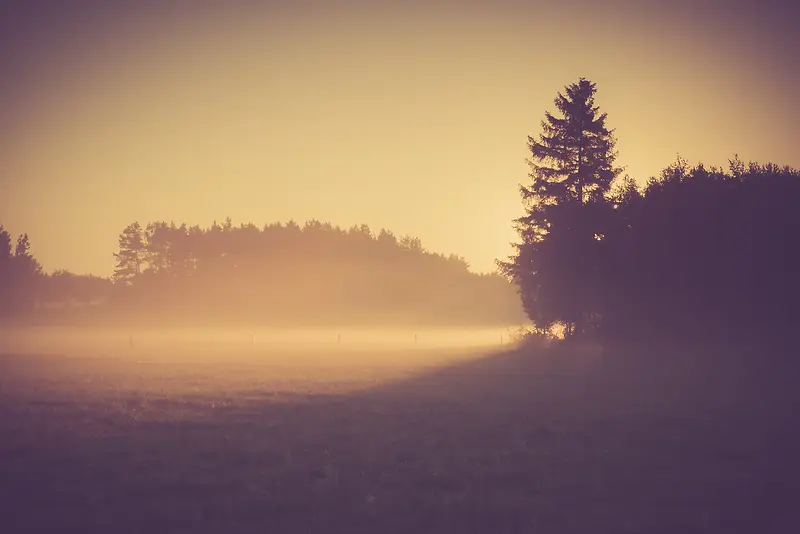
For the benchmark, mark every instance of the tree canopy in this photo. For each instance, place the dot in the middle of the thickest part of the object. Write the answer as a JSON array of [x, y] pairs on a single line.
[[18, 273], [696, 253], [704, 253], [277, 274], [572, 168]]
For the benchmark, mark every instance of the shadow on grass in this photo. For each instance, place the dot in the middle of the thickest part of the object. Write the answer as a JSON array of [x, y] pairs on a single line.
[[515, 442]]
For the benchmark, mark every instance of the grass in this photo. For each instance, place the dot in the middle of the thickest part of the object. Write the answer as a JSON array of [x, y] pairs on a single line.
[[404, 441]]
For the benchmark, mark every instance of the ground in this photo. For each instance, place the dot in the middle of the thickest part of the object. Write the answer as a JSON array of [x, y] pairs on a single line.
[[412, 440]]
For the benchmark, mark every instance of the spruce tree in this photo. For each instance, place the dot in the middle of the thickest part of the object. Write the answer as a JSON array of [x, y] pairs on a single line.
[[572, 169], [131, 255], [573, 157]]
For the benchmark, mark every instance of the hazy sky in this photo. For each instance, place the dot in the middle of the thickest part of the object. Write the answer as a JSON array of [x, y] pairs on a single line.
[[407, 115]]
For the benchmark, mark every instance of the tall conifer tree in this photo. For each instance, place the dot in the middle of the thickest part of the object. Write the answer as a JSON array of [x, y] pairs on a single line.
[[572, 168]]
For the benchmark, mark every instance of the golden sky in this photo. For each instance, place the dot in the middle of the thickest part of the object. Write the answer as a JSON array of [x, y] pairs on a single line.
[[407, 115]]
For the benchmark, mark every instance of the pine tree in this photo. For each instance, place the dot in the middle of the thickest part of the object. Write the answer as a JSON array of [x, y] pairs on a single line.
[[572, 169], [6, 280], [5, 246], [20, 275], [157, 248], [28, 266], [23, 246], [573, 158], [131, 255]]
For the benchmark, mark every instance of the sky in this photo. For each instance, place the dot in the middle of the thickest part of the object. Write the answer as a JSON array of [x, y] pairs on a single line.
[[412, 116]]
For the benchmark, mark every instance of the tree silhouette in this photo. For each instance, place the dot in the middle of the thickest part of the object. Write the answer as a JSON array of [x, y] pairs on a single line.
[[704, 254], [28, 267], [23, 246], [317, 273], [5, 272], [5, 246], [574, 156], [572, 168], [20, 275], [131, 255]]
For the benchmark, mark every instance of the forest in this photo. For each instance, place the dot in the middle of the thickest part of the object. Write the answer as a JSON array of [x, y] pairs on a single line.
[[694, 253], [279, 274]]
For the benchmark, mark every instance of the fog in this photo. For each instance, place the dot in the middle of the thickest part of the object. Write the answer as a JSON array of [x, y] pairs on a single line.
[[326, 345], [234, 364]]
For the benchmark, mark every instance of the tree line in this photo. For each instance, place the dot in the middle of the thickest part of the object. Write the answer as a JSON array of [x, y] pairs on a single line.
[[27, 292], [280, 274], [317, 272], [19, 273], [695, 253]]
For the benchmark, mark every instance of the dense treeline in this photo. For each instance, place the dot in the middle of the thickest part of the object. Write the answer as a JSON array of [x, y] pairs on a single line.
[[281, 274], [696, 253], [19, 275], [704, 253], [27, 293], [317, 273]]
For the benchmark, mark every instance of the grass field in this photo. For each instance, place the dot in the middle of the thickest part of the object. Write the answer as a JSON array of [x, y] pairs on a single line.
[[399, 439]]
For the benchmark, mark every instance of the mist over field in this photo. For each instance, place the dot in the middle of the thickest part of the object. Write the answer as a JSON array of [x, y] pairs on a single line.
[[257, 344], [280, 267], [169, 361]]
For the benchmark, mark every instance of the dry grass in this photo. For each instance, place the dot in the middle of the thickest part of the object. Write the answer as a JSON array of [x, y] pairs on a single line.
[[406, 441]]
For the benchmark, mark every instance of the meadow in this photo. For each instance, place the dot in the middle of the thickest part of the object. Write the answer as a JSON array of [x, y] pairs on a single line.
[[307, 432]]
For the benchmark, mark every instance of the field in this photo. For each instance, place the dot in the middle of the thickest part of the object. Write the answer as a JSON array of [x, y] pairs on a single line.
[[141, 432]]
